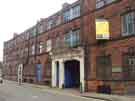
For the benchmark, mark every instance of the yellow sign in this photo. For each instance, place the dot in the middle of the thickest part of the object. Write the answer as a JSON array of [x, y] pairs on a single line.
[[102, 29]]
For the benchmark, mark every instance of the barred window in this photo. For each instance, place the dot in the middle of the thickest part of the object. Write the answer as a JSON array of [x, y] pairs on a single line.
[[129, 67]]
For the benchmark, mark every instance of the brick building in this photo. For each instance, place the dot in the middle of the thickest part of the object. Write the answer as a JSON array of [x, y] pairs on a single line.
[[63, 50]]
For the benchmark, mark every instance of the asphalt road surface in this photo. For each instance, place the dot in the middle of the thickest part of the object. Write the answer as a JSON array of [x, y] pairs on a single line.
[[14, 92]]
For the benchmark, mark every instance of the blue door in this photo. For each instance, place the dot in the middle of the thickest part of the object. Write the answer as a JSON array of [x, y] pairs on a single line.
[[68, 77], [72, 74], [38, 72]]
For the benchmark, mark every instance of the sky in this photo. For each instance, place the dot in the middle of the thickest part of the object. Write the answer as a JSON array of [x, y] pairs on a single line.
[[18, 15]]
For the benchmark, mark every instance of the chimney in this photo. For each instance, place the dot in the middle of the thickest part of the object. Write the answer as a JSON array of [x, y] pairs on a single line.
[[65, 5]]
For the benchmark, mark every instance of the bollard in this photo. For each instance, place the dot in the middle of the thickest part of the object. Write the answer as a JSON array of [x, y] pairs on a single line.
[[81, 89]]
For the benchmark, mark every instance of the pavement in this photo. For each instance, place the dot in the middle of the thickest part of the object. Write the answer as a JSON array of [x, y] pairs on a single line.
[[11, 91], [54, 94]]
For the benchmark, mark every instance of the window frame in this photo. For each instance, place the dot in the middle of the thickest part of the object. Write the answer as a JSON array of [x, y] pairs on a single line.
[[103, 3], [71, 38], [72, 13], [33, 50], [126, 16], [48, 45], [102, 66]]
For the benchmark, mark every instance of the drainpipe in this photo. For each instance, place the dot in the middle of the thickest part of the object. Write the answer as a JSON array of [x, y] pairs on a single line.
[[85, 45], [82, 42]]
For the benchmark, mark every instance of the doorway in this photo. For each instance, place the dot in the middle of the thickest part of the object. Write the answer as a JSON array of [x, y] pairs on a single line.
[[57, 73], [72, 74]]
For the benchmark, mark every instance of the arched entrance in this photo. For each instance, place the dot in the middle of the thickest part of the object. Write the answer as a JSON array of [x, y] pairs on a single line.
[[72, 74], [68, 69]]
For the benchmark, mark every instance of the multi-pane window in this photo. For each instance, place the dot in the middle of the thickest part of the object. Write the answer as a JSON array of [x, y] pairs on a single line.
[[67, 16], [58, 42], [48, 45], [26, 50], [58, 20], [101, 3], [76, 11], [128, 24], [72, 38], [129, 67], [40, 28], [33, 49], [50, 24], [34, 32], [41, 47], [26, 35], [72, 13]]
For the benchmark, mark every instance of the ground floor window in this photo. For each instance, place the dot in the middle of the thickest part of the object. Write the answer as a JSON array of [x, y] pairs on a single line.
[[129, 67], [48, 70], [104, 68]]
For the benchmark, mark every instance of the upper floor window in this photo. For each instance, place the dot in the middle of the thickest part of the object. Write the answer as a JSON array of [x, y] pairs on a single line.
[[67, 15], [76, 11], [50, 24], [58, 42], [27, 35], [40, 28], [128, 24], [48, 45], [72, 13], [72, 38], [58, 20], [41, 47], [26, 50], [33, 49], [101, 3], [34, 32]]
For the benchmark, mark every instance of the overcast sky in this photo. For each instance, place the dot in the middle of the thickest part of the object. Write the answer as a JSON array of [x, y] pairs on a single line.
[[19, 15]]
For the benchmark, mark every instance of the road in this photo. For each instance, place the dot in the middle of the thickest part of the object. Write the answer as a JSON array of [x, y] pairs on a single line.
[[14, 92]]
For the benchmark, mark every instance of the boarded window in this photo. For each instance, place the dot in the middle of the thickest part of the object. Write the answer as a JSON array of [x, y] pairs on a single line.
[[104, 68]]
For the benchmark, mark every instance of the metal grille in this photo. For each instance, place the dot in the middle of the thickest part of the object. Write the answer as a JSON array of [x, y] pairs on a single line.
[[129, 67]]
